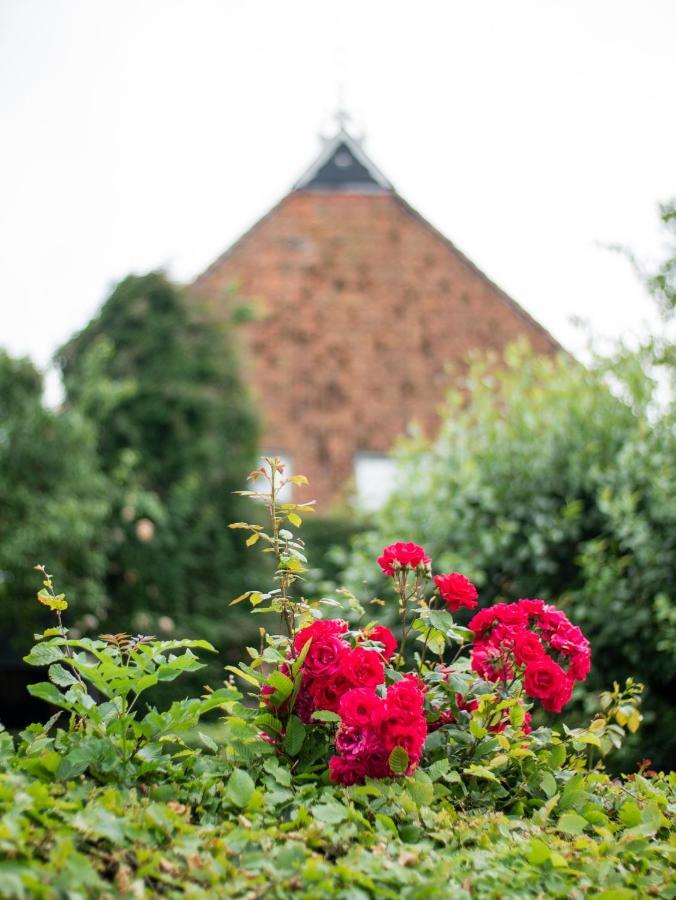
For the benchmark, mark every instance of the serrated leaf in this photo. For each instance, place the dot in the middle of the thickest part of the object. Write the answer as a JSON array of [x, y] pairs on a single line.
[[44, 655], [398, 760], [240, 788], [57, 603], [571, 823], [330, 813], [295, 736], [61, 676], [208, 742]]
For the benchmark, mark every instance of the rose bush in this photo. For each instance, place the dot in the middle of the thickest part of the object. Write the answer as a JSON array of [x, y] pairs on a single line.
[[356, 763]]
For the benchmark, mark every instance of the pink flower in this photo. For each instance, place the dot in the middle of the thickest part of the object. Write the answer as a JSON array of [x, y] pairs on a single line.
[[401, 556], [457, 591]]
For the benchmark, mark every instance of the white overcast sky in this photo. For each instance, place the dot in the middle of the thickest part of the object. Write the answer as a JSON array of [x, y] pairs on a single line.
[[139, 134]]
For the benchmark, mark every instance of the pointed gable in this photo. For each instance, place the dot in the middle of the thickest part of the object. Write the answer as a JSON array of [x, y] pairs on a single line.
[[362, 314], [343, 166]]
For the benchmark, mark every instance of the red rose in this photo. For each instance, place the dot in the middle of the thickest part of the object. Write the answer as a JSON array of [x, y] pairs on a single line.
[[364, 668], [383, 636], [546, 680], [527, 647], [319, 630], [346, 771], [457, 591], [406, 696], [401, 556], [482, 622], [327, 692], [351, 741], [360, 706], [324, 656]]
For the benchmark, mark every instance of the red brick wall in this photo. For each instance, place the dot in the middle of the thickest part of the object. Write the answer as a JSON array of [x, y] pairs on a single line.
[[363, 306]]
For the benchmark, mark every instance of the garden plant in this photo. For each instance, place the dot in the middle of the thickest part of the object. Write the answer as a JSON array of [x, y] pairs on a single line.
[[340, 760]]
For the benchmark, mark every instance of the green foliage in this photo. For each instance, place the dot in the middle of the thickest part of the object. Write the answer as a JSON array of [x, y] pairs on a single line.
[[545, 482], [176, 436], [113, 796], [219, 830], [53, 501]]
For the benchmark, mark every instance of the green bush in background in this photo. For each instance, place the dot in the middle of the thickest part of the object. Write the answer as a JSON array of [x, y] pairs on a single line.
[[177, 433], [545, 482], [53, 503]]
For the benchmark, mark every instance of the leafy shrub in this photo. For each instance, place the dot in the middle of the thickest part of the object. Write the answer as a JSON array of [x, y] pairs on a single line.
[[52, 496], [176, 435], [545, 482], [458, 796]]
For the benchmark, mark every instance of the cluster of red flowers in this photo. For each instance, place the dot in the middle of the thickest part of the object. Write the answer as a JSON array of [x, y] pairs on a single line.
[[332, 666], [531, 635], [372, 726], [456, 590]]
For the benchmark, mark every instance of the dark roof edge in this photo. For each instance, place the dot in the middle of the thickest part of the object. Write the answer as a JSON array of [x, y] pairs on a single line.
[[509, 301]]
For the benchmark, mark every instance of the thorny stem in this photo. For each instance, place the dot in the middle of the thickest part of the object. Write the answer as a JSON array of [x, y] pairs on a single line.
[[401, 581], [427, 637]]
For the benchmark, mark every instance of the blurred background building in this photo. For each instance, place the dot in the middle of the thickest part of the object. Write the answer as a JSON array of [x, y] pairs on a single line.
[[355, 313]]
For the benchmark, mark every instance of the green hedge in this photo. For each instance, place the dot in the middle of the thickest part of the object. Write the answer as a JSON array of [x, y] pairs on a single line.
[[221, 835]]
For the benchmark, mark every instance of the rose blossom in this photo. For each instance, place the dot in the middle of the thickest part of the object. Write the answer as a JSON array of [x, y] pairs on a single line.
[[543, 678], [402, 555], [364, 668], [360, 706], [457, 591], [324, 656], [383, 636]]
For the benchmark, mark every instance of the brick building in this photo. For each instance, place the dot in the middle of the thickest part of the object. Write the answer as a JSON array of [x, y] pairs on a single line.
[[359, 306]]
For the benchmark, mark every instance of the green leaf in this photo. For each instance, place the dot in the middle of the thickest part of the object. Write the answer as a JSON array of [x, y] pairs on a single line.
[[331, 813], [630, 814], [571, 823], [539, 853], [44, 655], [548, 784], [61, 676], [240, 788], [441, 620], [398, 760], [283, 687], [295, 735], [45, 690], [325, 715], [208, 742], [295, 519], [74, 763]]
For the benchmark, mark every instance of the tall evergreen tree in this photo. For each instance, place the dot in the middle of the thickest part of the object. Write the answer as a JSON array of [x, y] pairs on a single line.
[[53, 505], [177, 435]]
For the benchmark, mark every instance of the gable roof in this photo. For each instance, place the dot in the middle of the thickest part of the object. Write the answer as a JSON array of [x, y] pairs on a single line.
[[343, 165]]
